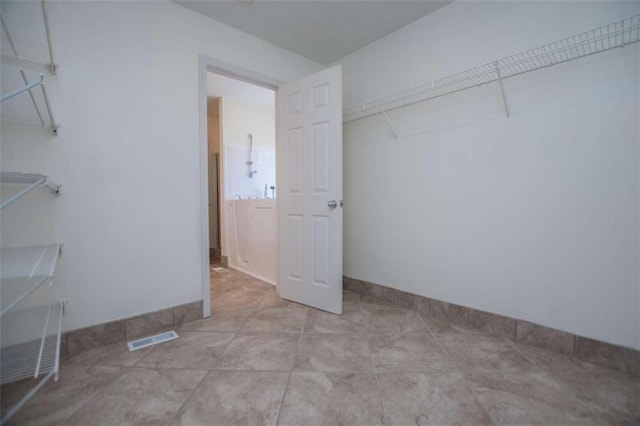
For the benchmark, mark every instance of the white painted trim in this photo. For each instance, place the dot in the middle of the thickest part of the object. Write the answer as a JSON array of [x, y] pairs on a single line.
[[205, 64], [204, 189]]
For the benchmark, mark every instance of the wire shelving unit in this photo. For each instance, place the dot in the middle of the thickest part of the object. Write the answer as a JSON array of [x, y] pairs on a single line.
[[38, 357], [30, 337], [611, 36], [23, 270], [30, 181]]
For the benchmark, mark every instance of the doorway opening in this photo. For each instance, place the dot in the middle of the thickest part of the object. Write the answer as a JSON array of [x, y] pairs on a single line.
[[304, 241], [208, 238], [241, 173]]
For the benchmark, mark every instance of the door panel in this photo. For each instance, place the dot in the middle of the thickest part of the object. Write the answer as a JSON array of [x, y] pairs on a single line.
[[309, 181]]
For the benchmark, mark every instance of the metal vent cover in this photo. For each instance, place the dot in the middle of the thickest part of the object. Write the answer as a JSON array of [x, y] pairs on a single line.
[[143, 342]]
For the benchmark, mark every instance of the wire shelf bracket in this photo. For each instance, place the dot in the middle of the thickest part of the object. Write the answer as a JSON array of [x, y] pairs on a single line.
[[611, 36], [31, 180], [55, 126], [26, 269], [37, 358], [23, 89], [386, 117], [504, 96]]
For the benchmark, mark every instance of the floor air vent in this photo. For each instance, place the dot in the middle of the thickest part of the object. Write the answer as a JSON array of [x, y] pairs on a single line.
[[152, 340], [219, 269]]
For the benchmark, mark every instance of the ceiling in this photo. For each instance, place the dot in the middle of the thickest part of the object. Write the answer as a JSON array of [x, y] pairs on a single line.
[[221, 86], [323, 31]]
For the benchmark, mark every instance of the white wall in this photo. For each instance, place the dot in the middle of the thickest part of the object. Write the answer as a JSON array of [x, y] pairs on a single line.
[[533, 217], [239, 118], [128, 152]]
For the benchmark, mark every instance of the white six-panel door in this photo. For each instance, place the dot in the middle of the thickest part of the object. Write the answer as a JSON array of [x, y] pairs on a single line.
[[309, 190]]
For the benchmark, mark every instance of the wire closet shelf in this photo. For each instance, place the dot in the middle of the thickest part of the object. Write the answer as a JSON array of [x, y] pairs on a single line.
[[30, 181], [30, 344], [617, 34], [38, 358], [29, 86], [23, 270]]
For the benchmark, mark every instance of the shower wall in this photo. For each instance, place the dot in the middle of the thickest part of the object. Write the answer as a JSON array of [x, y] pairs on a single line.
[[239, 119]]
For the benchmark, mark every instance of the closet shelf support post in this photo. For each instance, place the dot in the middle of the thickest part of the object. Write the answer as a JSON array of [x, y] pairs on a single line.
[[54, 125], [504, 96], [386, 117], [52, 66]]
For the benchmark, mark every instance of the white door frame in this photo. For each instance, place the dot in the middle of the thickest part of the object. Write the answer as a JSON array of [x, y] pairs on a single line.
[[205, 64]]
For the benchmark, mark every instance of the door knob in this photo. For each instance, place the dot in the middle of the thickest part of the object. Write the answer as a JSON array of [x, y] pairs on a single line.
[[332, 204]]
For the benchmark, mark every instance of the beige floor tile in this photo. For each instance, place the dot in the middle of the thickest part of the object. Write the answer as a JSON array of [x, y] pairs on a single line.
[[229, 321], [227, 277], [276, 320], [260, 352], [483, 353], [430, 399], [516, 398], [558, 398], [235, 398], [57, 401], [350, 296], [374, 303], [612, 398], [242, 284], [195, 350], [393, 320], [350, 301], [545, 360], [416, 352], [235, 300], [442, 326], [430, 371], [331, 399], [272, 300], [333, 352], [139, 397], [116, 354], [352, 321]]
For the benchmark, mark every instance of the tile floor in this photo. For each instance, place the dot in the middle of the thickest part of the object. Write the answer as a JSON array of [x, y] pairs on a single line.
[[261, 360]]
